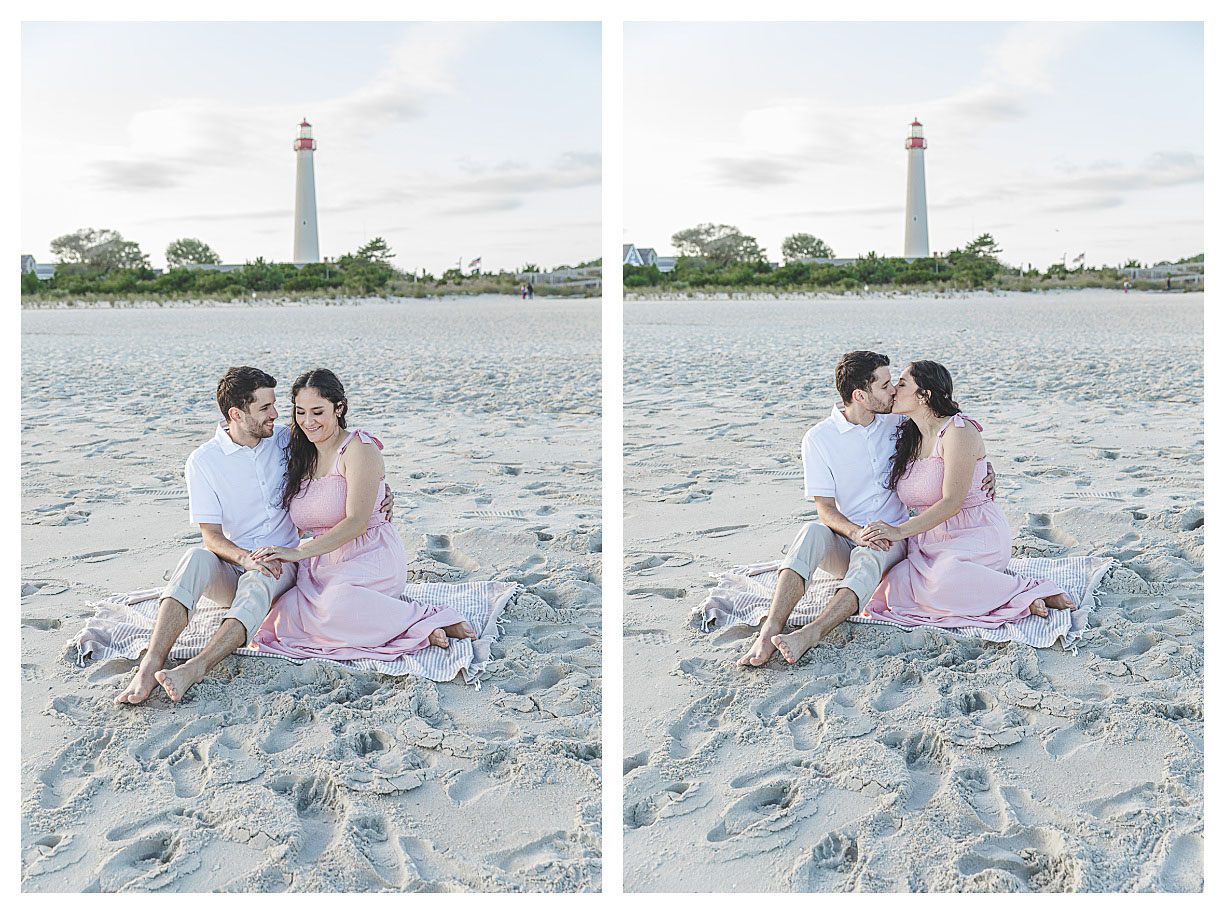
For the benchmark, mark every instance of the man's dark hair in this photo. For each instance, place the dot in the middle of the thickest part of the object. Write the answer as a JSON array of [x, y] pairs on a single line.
[[854, 371], [237, 387]]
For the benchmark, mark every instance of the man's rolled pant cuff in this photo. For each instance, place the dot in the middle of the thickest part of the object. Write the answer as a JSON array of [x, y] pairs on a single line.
[[251, 619], [183, 596], [800, 567]]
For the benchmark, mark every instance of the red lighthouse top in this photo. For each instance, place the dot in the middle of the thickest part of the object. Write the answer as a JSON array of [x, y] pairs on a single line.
[[915, 140], [304, 140]]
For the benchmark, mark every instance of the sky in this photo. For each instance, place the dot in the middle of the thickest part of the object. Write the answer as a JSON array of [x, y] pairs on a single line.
[[1057, 138], [452, 141]]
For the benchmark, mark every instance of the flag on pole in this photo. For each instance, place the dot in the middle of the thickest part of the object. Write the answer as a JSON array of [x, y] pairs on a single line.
[[474, 263], [1079, 258]]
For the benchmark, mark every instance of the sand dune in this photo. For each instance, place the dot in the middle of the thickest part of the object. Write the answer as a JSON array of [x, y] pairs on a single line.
[[895, 761], [315, 778]]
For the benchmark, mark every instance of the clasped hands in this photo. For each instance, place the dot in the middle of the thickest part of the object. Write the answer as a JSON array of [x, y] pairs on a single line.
[[877, 535], [268, 559]]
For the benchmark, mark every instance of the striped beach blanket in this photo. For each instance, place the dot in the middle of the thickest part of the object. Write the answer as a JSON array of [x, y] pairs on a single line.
[[122, 626], [742, 597]]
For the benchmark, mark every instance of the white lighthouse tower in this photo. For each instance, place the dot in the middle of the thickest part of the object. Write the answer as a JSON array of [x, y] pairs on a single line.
[[916, 195], [305, 224]]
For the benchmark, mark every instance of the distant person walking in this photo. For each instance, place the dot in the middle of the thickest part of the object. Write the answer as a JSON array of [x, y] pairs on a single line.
[[523, 291], [531, 289]]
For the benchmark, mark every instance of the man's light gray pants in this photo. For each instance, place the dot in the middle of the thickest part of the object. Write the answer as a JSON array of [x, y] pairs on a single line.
[[817, 546], [249, 594]]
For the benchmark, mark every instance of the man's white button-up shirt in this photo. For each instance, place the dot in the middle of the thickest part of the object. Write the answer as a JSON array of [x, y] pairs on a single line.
[[240, 488], [851, 463]]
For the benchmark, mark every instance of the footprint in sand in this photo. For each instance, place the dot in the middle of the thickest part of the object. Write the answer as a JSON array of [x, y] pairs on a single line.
[[43, 625], [701, 724], [667, 804], [374, 838], [1039, 525], [669, 593], [899, 690], [982, 794], [546, 679], [641, 563], [835, 854], [143, 864], [1026, 859], [440, 548], [287, 731], [759, 810], [70, 771], [42, 588], [927, 764], [633, 762], [542, 851], [319, 807]]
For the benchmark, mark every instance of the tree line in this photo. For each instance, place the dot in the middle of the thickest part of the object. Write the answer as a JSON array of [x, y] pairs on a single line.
[[721, 256], [102, 262]]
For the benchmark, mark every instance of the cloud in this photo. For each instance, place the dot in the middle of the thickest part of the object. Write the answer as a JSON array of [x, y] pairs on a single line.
[[854, 212], [170, 144], [483, 207], [1084, 204], [980, 105], [247, 216], [137, 175], [1027, 56], [754, 172]]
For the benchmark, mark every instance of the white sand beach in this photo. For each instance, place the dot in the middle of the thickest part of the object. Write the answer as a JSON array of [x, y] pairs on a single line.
[[888, 760], [272, 776]]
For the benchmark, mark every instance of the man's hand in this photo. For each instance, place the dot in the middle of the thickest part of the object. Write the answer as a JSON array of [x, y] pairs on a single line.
[[989, 482], [869, 539], [388, 503], [269, 566]]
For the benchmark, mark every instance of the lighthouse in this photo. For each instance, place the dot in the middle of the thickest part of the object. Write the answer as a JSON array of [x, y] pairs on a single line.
[[305, 224], [916, 194]]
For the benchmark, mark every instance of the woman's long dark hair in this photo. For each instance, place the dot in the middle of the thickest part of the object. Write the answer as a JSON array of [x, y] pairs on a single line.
[[303, 455], [934, 386]]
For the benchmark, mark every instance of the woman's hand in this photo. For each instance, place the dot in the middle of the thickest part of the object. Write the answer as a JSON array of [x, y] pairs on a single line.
[[878, 529], [282, 553]]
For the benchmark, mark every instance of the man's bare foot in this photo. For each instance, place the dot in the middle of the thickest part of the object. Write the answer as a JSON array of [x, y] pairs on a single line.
[[460, 630], [762, 650], [438, 638], [1038, 608], [177, 681], [142, 684], [1059, 601], [795, 645]]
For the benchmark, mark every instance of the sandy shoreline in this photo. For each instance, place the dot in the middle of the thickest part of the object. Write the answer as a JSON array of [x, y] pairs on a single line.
[[276, 777], [879, 762]]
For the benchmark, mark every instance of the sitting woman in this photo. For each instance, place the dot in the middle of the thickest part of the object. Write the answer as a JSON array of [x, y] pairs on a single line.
[[956, 568], [346, 603]]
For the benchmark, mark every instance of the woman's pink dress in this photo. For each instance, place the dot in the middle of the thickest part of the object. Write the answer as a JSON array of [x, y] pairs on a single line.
[[955, 574], [346, 604]]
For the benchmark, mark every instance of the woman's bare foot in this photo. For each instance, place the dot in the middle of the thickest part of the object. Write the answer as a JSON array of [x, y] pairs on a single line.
[[142, 684], [1059, 601], [1038, 608], [177, 681], [460, 630], [438, 638]]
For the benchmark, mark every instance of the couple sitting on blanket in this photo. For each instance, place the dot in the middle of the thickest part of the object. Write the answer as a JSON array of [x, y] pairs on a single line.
[[888, 448], [254, 489]]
